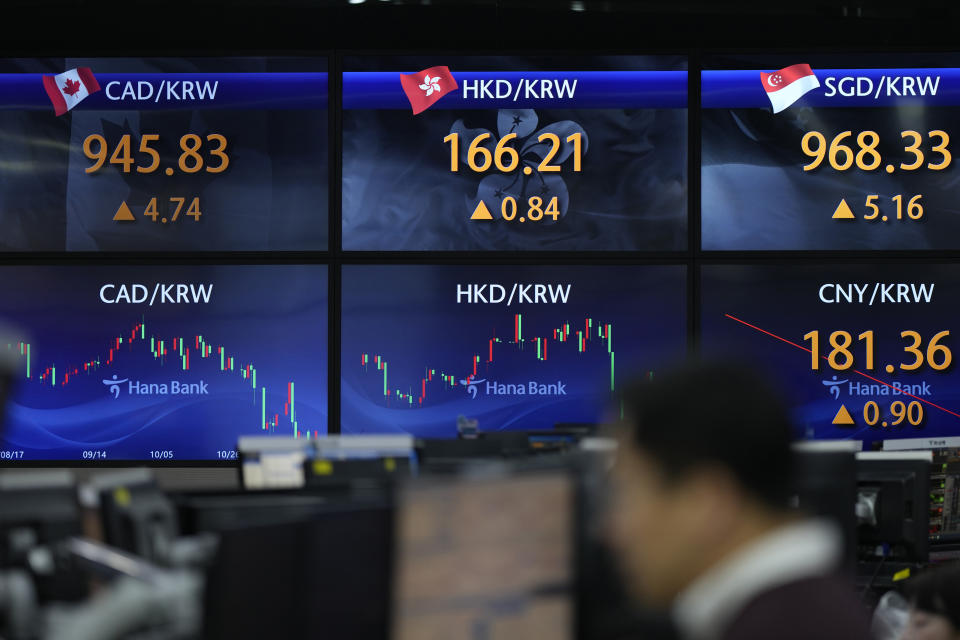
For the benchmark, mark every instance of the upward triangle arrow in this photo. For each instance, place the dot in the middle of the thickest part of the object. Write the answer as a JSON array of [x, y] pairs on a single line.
[[481, 212], [124, 213], [843, 211], [843, 417]]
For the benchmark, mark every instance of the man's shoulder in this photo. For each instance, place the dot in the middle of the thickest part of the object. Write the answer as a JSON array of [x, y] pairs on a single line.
[[819, 607]]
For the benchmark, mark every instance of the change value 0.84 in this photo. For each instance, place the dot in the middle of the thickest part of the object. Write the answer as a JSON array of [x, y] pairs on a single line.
[[842, 354]]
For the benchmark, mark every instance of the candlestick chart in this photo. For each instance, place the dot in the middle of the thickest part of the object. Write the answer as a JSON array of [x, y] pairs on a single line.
[[561, 334], [415, 354], [119, 380]]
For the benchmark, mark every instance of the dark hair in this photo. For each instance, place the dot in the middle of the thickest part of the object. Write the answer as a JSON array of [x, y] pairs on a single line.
[[938, 591], [712, 413]]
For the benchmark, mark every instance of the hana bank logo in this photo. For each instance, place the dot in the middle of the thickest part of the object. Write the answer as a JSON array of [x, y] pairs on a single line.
[[174, 387], [471, 386], [114, 385], [529, 388]]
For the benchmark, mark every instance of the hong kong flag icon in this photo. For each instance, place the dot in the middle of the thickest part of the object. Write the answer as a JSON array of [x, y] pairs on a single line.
[[423, 89], [69, 88]]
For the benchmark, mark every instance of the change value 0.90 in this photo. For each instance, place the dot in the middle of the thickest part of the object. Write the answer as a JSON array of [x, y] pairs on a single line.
[[900, 412]]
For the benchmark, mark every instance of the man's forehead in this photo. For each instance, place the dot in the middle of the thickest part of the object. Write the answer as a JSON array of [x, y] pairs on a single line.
[[636, 458]]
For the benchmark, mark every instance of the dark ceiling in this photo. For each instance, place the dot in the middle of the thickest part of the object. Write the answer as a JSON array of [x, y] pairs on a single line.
[[228, 26]]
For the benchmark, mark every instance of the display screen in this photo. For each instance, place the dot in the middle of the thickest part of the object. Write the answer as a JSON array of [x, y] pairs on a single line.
[[164, 154], [808, 152], [155, 363], [491, 558], [513, 347], [437, 161], [444, 153], [863, 351]]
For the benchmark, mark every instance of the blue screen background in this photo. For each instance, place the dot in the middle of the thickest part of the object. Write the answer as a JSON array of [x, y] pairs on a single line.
[[273, 317], [784, 300], [410, 317]]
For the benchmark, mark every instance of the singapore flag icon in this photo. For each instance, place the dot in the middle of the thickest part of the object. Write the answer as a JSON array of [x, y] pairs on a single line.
[[788, 85]]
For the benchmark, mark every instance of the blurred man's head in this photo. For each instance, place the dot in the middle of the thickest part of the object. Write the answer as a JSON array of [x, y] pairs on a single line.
[[935, 605], [704, 466]]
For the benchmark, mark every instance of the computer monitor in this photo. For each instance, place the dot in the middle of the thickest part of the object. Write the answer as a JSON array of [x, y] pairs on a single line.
[[945, 496], [326, 576], [893, 497], [232, 511], [563, 437], [36, 508], [136, 515], [360, 460], [272, 462], [825, 486], [488, 558], [944, 488], [40, 509], [439, 455]]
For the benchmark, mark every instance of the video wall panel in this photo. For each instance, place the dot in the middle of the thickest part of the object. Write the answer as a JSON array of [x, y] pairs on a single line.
[[527, 347], [364, 242], [164, 154], [162, 362], [514, 153]]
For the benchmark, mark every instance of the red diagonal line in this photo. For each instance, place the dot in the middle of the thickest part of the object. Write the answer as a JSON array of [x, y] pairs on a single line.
[[869, 377]]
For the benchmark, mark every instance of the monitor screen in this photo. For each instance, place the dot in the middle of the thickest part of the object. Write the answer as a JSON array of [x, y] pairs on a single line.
[[164, 154], [485, 559], [944, 485], [822, 151], [161, 363], [327, 564], [945, 495], [514, 347], [515, 153], [862, 351]]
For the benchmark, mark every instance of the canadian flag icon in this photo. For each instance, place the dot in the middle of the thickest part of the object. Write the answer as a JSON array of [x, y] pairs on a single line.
[[68, 89], [423, 89]]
